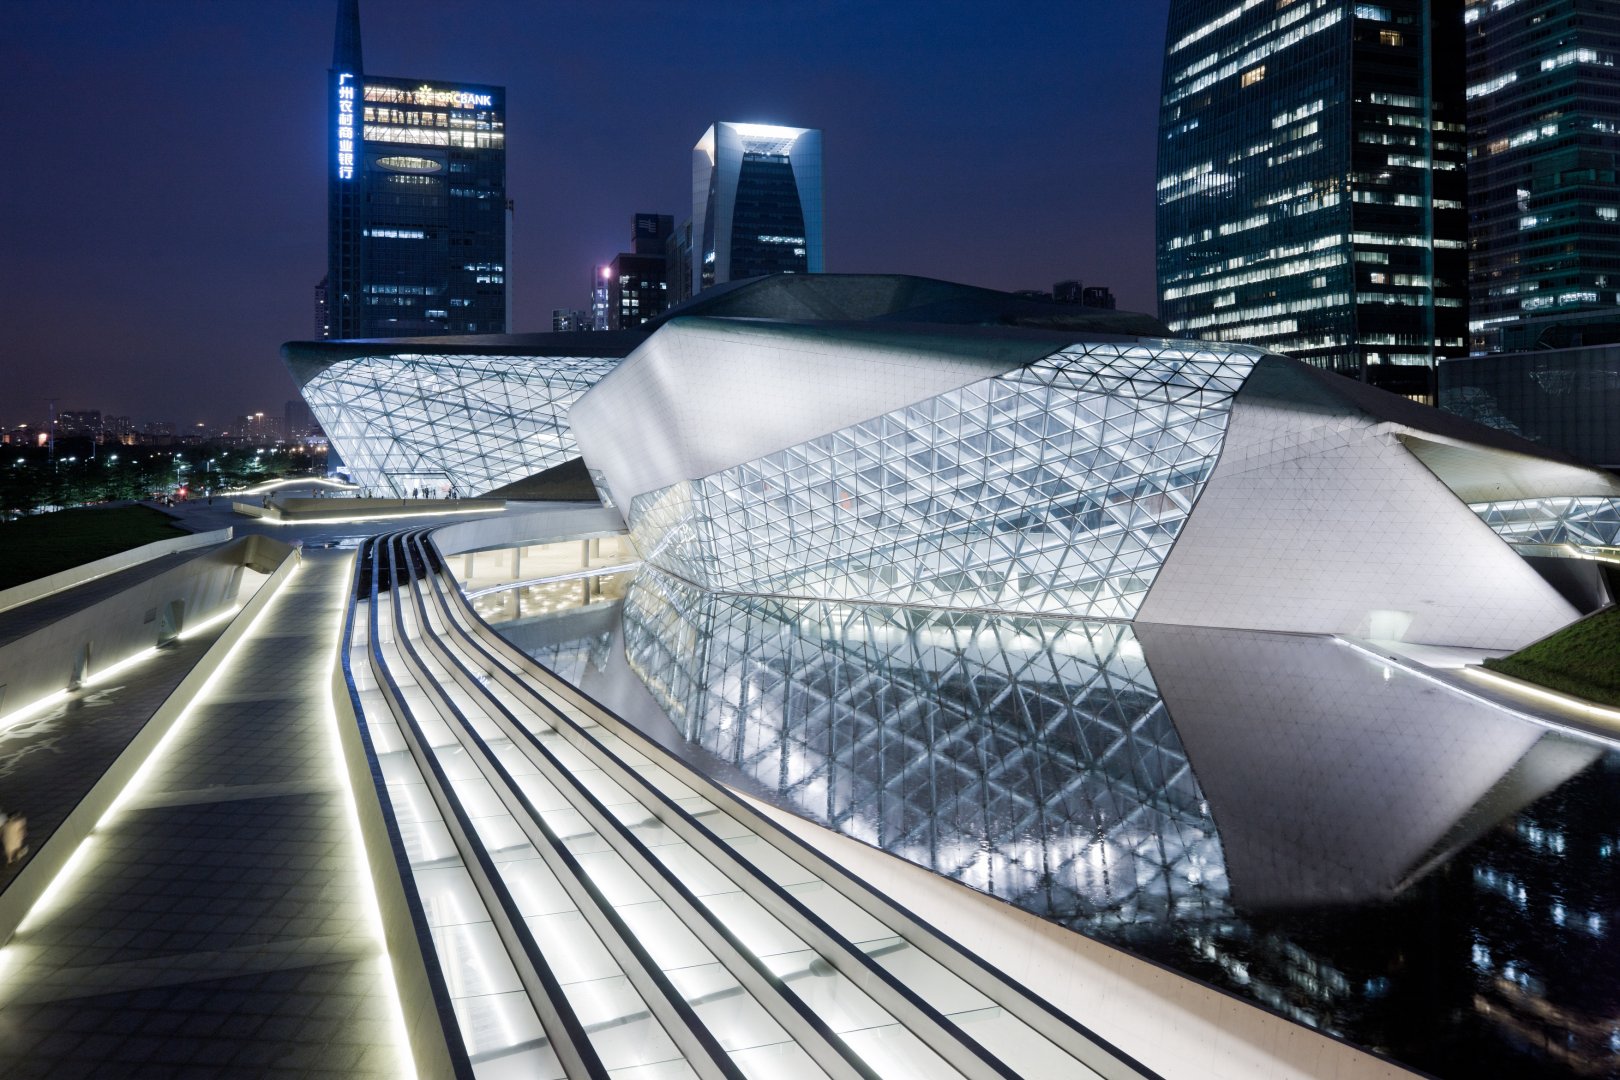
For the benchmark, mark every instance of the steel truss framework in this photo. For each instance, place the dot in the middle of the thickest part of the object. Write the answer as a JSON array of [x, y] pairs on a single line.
[[1593, 522], [1033, 760], [474, 423], [1057, 488]]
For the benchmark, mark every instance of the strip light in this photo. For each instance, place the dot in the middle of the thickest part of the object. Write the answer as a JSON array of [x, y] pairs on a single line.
[[380, 517], [299, 481], [1518, 686], [362, 862], [144, 773], [57, 697], [1541, 721]]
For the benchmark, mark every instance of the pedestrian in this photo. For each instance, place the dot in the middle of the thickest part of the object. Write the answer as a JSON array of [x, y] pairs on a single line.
[[13, 831]]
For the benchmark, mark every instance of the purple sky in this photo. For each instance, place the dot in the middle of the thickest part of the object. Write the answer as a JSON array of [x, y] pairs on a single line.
[[163, 217]]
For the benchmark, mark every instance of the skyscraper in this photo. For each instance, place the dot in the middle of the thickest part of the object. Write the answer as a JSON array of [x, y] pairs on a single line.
[[1543, 150], [416, 201], [1311, 183], [756, 203], [638, 285]]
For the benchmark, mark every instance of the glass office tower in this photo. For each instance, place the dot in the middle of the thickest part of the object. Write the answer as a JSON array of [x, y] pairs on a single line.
[[416, 199], [1311, 184], [1544, 147], [756, 202]]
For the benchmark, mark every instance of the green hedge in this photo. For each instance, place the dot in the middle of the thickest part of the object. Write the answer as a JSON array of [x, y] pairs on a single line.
[[32, 547], [1582, 659]]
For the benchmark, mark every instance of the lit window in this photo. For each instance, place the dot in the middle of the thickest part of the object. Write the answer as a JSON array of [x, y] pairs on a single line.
[[1390, 37], [1254, 75]]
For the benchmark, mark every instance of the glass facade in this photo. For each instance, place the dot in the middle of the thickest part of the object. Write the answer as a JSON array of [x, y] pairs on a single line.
[[756, 203], [1310, 191], [1544, 145], [1032, 760], [416, 203], [405, 422], [1584, 522], [1058, 487]]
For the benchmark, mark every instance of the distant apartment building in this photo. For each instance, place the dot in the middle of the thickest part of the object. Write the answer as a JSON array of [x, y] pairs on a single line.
[[78, 424], [638, 288], [297, 422], [756, 203], [678, 262], [416, 189], [1311, 182], [571, 320]]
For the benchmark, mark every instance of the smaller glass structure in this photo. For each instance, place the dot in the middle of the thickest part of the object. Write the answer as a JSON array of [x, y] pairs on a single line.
[[407, 421], [1587, 522]]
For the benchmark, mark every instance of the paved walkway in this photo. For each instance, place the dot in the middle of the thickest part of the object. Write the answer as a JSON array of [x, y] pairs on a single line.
[[217, 924]]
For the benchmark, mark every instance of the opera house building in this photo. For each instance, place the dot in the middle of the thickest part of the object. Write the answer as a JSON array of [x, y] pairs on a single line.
[[949, 682]]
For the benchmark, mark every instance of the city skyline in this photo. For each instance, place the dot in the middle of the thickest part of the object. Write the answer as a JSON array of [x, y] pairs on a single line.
[[191, 211]]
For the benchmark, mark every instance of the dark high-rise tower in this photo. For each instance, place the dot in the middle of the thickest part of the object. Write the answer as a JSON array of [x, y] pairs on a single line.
[[1543, 154], [1311, 184], [416, 235], [756, 203]]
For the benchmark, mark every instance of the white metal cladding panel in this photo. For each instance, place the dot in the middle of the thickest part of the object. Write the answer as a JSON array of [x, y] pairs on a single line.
[[1057, 488], [479, 421], [1320, 521], [703, 395]]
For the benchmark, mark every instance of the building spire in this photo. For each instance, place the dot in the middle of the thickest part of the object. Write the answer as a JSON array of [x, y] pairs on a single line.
[[346, 45]]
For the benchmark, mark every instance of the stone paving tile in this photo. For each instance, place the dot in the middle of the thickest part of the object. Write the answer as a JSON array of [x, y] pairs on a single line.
[[226, 936], [295, 1022]]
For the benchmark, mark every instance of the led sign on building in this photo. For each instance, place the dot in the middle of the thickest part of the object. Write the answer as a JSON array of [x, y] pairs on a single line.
[[345, 127]]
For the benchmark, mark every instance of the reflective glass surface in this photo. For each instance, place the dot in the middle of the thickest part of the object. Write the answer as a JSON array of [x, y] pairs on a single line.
[[1282, 816], [406, 422], [1594, 522], [1055, 488]]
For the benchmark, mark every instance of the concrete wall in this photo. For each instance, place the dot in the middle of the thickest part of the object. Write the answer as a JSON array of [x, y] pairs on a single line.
[[29, 591], [44, 661]]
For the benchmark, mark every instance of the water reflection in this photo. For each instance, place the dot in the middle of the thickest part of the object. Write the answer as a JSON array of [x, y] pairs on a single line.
[[1032, 760], [1279, 815]]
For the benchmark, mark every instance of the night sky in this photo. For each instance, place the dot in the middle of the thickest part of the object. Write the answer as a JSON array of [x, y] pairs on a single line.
[[164, 202]]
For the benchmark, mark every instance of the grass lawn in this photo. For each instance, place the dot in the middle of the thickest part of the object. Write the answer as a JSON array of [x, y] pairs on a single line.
[[32, 547], [1582, 659]]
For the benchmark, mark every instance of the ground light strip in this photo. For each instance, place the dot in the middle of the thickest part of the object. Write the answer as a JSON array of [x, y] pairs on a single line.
[[1542, 721], [56, 697], [362, 862], [297, 481], [70, 868], [1518, 686], [378, 517]]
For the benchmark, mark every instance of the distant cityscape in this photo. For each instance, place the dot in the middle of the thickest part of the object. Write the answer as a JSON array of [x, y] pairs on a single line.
[[294, 425]]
